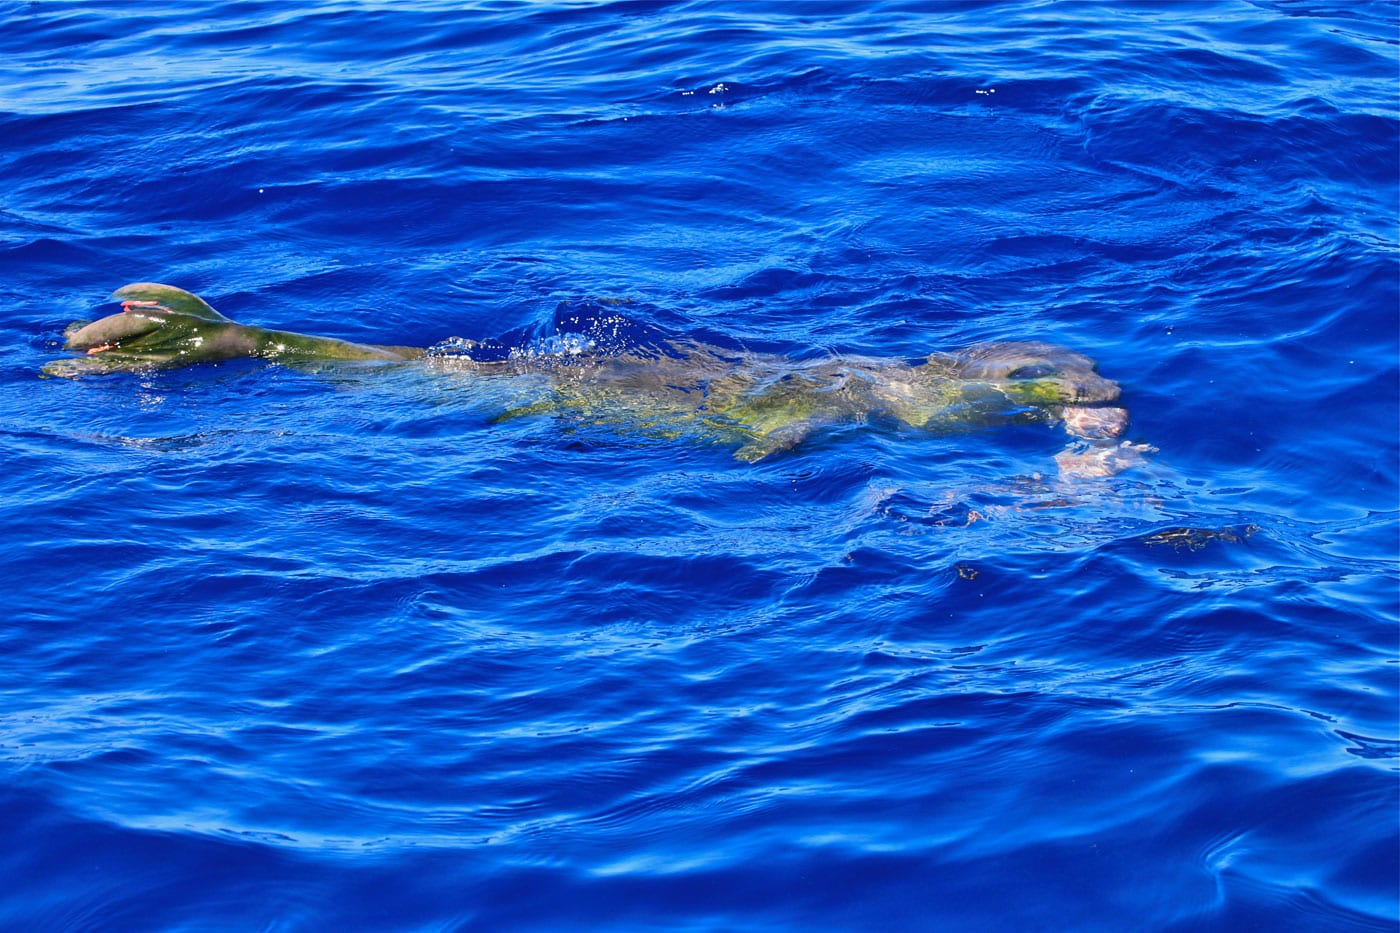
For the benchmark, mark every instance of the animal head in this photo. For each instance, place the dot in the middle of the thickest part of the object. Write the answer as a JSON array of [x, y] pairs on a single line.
[[1034, 373]]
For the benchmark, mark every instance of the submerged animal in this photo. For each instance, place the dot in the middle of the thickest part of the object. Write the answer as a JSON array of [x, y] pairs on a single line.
[[764, 403]]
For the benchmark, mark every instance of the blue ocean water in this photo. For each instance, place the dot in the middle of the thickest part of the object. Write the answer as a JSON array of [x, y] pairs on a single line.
[[332, 648]]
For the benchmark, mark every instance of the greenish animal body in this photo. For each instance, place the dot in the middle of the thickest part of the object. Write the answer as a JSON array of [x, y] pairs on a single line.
[[763, 403]]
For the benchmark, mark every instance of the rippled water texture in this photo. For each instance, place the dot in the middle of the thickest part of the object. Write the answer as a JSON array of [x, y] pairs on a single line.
[[334, 647]]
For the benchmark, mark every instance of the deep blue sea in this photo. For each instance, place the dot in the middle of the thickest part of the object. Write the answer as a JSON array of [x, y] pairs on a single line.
[[320, 648]]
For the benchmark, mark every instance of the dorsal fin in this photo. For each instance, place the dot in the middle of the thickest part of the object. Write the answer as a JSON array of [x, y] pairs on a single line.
[[170, 297]]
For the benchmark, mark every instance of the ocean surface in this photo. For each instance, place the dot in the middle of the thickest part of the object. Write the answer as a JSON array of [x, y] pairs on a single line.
[[335, 647]]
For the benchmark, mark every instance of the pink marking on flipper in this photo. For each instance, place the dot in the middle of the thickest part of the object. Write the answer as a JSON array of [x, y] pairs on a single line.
[[105, 346], [133, 303]]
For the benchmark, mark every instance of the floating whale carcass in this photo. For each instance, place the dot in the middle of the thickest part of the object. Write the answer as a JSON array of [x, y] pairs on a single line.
[[763, 402]]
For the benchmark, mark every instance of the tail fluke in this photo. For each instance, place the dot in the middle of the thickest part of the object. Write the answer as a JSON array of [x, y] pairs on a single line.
[[155, 295]]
